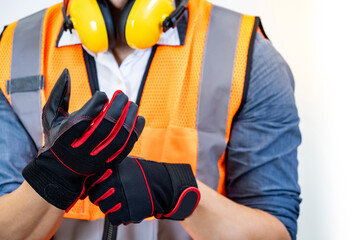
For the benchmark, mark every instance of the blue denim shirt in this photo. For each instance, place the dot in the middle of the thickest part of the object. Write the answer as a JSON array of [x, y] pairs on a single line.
[[16, 148], [261, 155], [262, 151]]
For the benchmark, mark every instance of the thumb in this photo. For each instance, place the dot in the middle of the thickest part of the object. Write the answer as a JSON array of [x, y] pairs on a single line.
[[56, 108]]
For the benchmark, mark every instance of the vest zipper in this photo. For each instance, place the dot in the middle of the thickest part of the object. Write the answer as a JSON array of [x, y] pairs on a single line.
[[110, 231]]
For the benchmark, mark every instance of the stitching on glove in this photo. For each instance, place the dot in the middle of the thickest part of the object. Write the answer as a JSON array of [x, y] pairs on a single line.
[[127, 127], [137, 132], [104, 143], [124, 145], [66, 165], [147, 185], [71, 123], [65, 114], [87, 133], [110, 118], [45, 112]]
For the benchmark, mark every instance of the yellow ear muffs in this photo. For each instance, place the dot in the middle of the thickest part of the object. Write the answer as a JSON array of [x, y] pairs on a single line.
[[93, 22], [141, 22]]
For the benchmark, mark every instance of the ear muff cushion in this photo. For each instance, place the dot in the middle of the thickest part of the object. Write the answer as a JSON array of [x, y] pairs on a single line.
[[110, 27], [123, 19]]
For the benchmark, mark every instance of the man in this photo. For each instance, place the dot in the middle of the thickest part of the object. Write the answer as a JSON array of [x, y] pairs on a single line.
[[257, 168]]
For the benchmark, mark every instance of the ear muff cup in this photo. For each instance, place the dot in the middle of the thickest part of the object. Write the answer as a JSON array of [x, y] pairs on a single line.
[[109, 24], [93, 23], [140, 23], [123, 20]]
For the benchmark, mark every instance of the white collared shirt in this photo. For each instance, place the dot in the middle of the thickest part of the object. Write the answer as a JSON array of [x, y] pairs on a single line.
[[126, 77]]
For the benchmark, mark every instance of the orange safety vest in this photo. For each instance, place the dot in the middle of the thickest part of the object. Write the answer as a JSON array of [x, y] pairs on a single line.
[[191, 94]]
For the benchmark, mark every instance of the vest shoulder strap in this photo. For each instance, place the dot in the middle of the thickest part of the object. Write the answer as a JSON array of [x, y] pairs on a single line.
[[222, 81], [26, 82]]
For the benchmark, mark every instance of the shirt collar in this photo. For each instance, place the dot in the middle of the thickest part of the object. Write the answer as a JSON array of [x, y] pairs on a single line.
[[173, 37]]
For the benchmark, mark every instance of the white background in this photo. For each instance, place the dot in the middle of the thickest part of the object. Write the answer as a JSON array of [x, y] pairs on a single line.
[[319, 39]]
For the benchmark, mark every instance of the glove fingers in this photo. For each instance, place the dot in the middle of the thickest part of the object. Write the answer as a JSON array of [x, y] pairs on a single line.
[[58, 102], [109, 196], [96, 179], [120, 155], [110, 202], [105, 121], [103, 125], [116, 106], [131, 117], [121, 216], [81, 120], [119, 137], [139, 126], [99, 186]]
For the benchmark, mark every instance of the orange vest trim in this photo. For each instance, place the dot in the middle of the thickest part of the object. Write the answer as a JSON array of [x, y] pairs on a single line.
[[170, 97], [242, 70], [5, 53]]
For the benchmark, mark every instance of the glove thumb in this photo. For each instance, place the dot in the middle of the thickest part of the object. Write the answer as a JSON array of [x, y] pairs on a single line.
[[56, 108]]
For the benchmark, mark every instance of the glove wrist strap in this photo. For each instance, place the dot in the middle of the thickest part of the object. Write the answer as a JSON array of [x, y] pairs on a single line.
[[186, 194], [47, 186]]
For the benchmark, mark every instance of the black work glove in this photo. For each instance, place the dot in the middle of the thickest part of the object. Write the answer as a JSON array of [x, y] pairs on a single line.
[[81, 144], [136, 189]]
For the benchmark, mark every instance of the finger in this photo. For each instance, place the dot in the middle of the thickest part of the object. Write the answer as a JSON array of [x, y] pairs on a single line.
[[119, 135], [82, 119], [122, 153], [139, 126], [58, 100], [116, 106], [111, 202], [104, 193], [131, 117], [119, 216], [100, 185], [98, 178], [104, 123]]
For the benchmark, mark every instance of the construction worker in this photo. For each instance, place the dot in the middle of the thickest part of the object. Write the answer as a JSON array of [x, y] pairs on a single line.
[[218, 104]]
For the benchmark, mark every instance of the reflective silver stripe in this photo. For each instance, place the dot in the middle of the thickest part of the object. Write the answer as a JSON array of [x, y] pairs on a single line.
[[214, 91], [26, 62]]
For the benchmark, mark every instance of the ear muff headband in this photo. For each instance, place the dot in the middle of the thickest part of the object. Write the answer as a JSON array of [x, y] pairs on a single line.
[[124, 19], [140, 25], [110, 27], [175, 17], [93, 23]]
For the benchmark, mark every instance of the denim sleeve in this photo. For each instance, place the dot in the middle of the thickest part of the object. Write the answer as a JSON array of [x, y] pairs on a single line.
[[261, 158], [16, 148]]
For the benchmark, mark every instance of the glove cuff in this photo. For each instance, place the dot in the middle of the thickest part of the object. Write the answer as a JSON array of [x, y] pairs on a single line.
[[48, 187], [186, 193]]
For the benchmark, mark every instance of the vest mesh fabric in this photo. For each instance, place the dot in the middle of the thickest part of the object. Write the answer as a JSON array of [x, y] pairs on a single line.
[[170, 96]]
